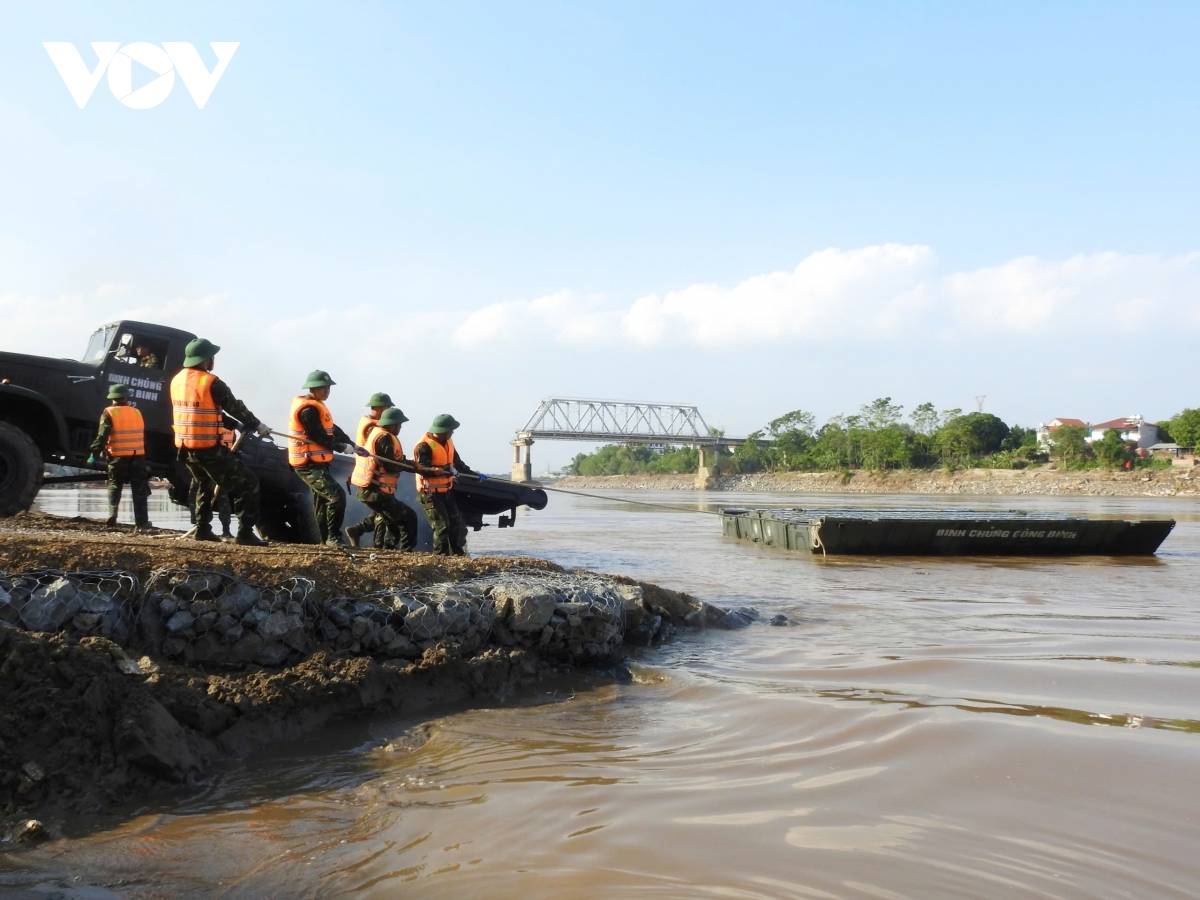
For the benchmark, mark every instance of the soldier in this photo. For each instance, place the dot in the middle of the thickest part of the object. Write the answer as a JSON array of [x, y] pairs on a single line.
[[395, 523], [146, 358], [435, 451], [312, 438], [198, 399], [121, 438], [378, 403]]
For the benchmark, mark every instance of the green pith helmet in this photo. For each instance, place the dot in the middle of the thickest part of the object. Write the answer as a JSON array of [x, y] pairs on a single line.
[[318, 378], [198, 351], [392, 416], [443, 423], [118, 392], [381, 399]]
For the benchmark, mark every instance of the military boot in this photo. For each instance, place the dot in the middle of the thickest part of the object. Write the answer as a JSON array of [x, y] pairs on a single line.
[[205, 533], [247, 538], [353, 534], [141, 515], [114, 505]]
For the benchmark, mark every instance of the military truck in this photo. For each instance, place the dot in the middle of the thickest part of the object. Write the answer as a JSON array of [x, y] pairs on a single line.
[[50, 409]]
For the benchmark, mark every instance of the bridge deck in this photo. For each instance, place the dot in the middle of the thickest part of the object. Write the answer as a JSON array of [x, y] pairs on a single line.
[[610, 437]]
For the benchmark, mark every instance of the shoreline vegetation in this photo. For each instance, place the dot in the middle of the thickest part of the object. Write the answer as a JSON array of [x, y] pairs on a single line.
[[879, 439], [1043, 480]]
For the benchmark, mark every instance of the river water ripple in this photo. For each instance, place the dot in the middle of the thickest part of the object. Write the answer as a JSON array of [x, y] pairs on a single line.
[[924, 728]]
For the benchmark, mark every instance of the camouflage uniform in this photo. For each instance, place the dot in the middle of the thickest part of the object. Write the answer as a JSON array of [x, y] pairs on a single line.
[[329, 500], [394, 522], [224, 513], [124, 470], [221, 504], [449, 529], [215, 466]]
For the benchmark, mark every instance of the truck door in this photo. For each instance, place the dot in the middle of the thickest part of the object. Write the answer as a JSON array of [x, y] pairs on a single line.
[[138, 361]]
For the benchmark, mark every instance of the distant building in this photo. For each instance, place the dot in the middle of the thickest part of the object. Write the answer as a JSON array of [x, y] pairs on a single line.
[[1133, 428], [1179, 456], [1045, 430]]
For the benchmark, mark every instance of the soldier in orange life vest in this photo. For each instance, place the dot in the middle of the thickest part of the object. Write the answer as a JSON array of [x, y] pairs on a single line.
[[435, 455], [394, 523], [312, 439], [377, 404], [121, 437], [198, 399]]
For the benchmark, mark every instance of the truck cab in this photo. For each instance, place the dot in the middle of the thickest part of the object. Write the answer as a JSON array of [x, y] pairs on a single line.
[[50, 408]]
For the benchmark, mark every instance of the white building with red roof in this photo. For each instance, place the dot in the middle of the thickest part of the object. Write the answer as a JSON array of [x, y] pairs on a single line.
[[1132, 428], [1048, 428]]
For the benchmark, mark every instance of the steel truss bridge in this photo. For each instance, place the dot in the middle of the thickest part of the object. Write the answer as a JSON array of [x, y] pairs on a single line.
[[615, 422]]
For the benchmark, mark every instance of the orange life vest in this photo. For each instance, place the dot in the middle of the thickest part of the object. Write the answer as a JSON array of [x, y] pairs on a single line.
[[128, 430], [443, 455], [194, 414], [369, 471], [360, 436], [302, 451], [228, 437]]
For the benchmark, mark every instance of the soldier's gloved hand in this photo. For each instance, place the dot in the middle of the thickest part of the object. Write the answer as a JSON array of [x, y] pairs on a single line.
[[92, 461], [453, 471], [481, 476], [263, 430], [361, 451]]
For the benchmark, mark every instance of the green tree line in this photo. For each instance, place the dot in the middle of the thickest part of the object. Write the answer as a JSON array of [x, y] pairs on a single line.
[[880, 437]]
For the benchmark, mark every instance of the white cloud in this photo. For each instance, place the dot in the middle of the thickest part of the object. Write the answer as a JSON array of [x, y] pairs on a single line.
[[830, 294], [1090, 293], [873, 293], [563, 316]]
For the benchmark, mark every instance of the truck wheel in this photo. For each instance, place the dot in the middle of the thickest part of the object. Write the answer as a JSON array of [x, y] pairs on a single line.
[[20, 470]]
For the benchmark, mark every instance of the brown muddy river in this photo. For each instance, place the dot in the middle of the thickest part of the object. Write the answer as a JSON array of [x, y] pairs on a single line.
[[924, 728]]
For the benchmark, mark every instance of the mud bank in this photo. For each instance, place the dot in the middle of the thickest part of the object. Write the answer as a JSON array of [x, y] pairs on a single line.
[[85, 723], [1183, 482]]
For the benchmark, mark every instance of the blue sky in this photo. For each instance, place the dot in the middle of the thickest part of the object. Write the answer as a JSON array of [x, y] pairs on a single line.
[[752, 207]]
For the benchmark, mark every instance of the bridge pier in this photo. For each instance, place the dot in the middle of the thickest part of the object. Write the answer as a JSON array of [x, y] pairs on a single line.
[[522, 470], [706, 475]]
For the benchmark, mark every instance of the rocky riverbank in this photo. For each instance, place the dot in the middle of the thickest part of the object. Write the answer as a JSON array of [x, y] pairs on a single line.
[[1179, 481], [138, 680]]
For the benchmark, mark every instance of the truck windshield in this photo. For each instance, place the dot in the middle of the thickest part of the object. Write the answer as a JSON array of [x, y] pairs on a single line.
[[99, 343]]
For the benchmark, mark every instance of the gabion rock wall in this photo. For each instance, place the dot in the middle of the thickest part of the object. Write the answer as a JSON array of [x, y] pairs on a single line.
[[211, 617], [566, 616], [403, 624], [83, 604], [217, 619]]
